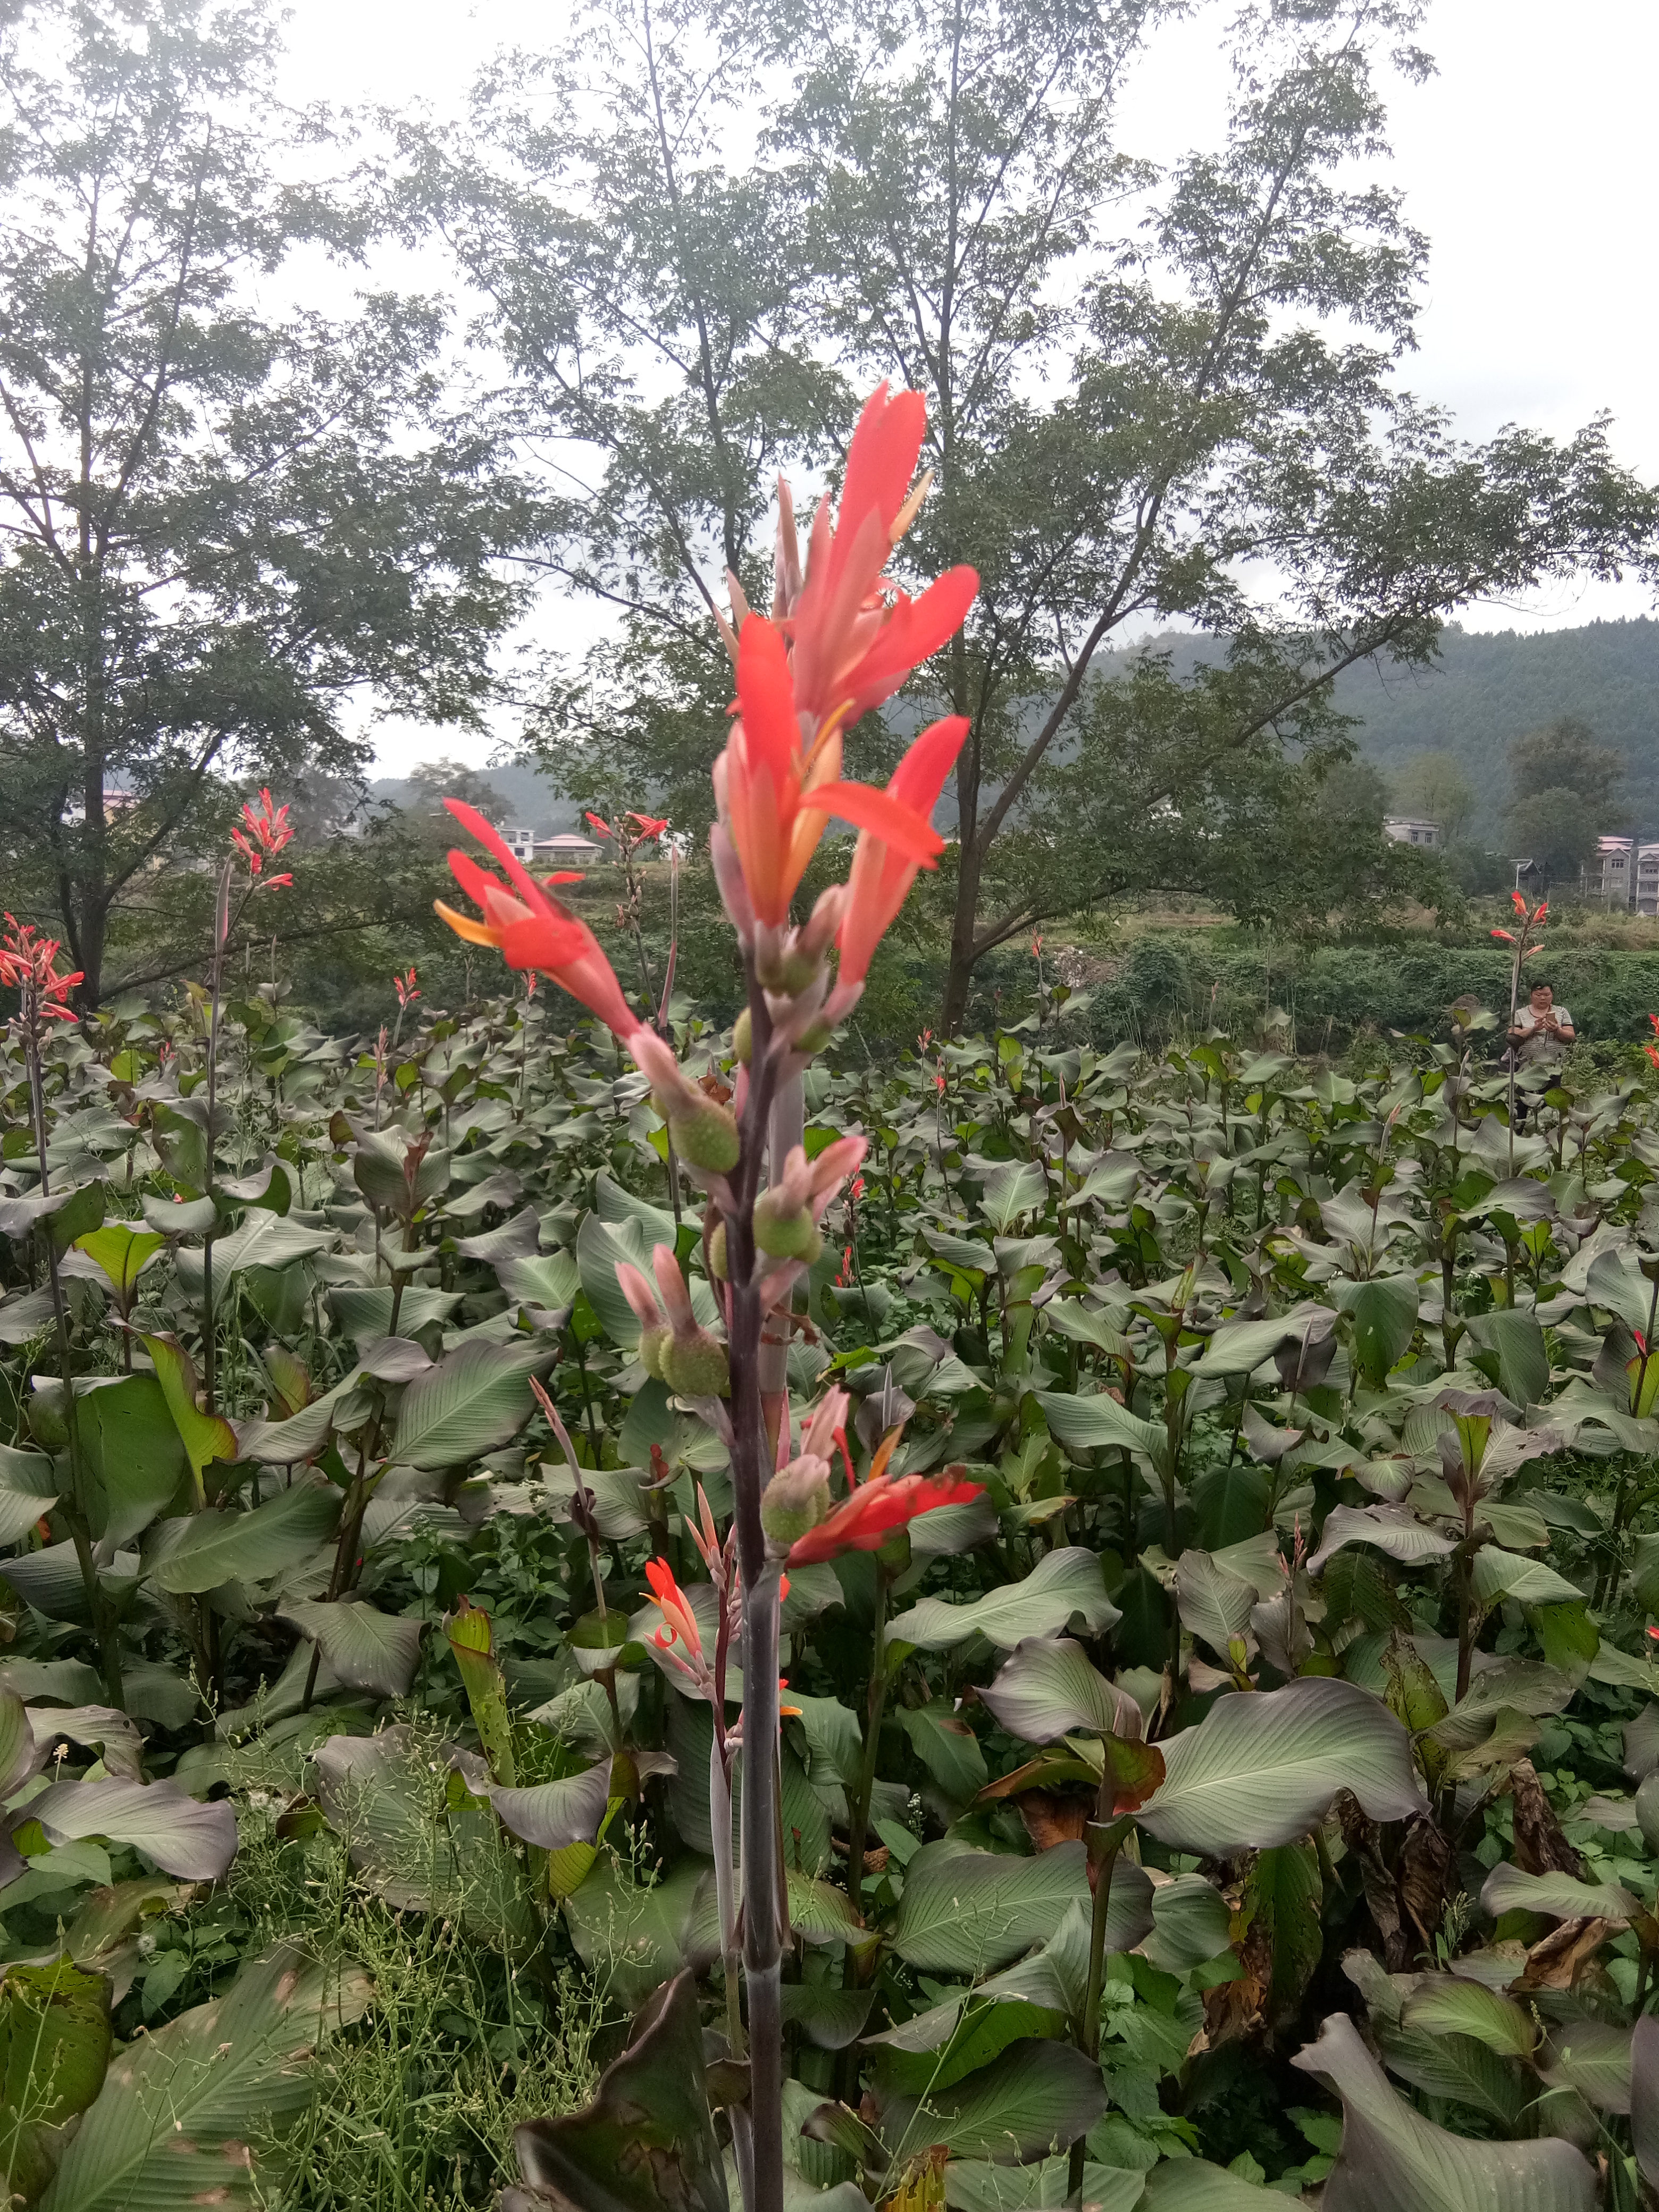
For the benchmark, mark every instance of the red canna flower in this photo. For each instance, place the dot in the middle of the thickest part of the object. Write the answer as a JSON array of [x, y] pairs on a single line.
[[650, 825], [599, 826], [774, 799], [403, 985], [29, 963], [1652, 1053], [531, 930], [1520, 903], [263, 835], [679, 1622], [855, 642], [864, 1520], [882, 872], [1504, 935]]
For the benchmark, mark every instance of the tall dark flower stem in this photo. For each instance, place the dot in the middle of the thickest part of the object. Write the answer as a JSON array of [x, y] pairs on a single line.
[[74, 1513], [764, 1920], [221, 938]]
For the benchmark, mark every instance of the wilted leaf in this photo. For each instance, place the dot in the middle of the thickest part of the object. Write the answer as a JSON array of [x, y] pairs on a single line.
[[54, 2046]]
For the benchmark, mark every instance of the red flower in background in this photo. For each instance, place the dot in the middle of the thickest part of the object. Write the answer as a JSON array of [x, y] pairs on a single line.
[[29, 963], [262, 837], [403, 985], [530, 929]]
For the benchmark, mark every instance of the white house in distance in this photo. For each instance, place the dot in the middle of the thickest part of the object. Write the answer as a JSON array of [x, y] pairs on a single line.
[[565, 851], [1407, 829]]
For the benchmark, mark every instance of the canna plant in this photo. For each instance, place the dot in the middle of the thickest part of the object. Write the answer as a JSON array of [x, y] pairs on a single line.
[[839, 641]]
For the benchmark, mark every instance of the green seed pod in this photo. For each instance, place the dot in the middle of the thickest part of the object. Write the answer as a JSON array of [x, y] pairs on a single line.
[[796, 1499], [780, 1234], [695, 1366], [717, 1251], [814, 1038], [743, 1036], [706, 1136], [651, 1344]]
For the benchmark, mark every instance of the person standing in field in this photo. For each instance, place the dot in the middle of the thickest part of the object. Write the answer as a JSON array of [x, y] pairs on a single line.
[[1542, 1030]]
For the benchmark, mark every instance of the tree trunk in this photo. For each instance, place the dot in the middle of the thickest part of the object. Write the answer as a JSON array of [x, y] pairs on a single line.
[[959, 977]]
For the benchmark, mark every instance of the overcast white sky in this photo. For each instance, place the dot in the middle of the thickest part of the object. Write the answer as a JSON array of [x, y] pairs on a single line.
[[1528, 161]]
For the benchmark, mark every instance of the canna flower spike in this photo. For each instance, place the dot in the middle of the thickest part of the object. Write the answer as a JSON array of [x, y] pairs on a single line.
[[262, 837], [855, 636], [530, 929], [29, 963]]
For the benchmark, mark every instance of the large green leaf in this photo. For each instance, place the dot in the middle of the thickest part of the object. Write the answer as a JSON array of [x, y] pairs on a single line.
[[1512, 1336], [1451, 2004], [367, 1649], [178, 2110], [554, 1814], [646, 2143], [1262, 1768], [28, 1489], [474, 1401], [1063, 1590], [1393, 2158], [134, 1456], [1239, 1348], [1644, 2097], [1392, 1530], [1047, 1689], [1383, 1312], [123, 1250], [1193, 2184], [1592, 2056], [205, 1437], [54, 2047], [1506, 1574], [1038, 2096], [216, 1547], [1215, 1604], [1509, 1889], [969, 1912], [947, 1747], [1011, 1188], [195, 1842], [1093, 1424]]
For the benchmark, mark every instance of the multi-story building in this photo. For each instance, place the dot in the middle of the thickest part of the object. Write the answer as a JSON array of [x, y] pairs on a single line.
[[1623, 873]]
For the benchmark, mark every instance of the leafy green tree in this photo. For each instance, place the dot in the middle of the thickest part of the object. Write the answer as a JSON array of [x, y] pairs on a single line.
[[218, 525], [433, 781], [1558, 826], [1566, 755], [1432, 787], [1168, 398]]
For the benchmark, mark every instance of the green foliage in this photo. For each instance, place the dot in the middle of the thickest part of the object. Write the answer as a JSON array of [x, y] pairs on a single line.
[[1302, 1411]]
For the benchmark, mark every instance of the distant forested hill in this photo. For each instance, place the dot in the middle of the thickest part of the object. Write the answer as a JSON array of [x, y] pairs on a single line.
[[1488, 687], [1492, 685]]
